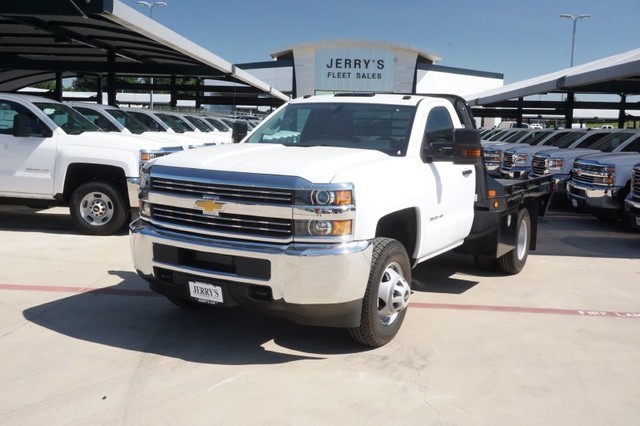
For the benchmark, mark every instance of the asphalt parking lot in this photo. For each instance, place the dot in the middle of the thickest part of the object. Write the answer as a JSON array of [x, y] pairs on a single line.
[[82, 341]]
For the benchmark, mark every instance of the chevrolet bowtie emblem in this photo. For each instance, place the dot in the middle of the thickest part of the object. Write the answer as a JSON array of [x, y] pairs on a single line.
[[210, 206]]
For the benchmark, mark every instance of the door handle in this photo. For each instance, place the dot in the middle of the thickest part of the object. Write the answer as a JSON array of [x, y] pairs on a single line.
[[467, 172]]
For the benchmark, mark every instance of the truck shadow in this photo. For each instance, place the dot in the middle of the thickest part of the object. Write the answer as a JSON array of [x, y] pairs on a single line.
[[128, 317], [436, 275], [51, 221]]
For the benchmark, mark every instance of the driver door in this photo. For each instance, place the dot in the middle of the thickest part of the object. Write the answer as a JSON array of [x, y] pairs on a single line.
[[26, 162], [447, 213]]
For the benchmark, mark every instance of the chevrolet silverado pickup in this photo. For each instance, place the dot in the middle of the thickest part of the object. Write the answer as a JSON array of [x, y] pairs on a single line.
[[320, 214]]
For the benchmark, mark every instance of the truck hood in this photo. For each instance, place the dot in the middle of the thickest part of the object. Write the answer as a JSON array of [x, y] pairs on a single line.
[[526, 149], [500, 147], [316, 164], [566, 152], [620, 158], [114, 140]]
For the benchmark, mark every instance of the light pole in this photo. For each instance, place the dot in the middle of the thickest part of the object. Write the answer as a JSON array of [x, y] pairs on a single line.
[[573, 38], [151, 6]]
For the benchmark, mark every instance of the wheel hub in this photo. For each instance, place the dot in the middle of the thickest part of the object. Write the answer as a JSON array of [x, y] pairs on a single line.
[[393, 294], [96, 209]]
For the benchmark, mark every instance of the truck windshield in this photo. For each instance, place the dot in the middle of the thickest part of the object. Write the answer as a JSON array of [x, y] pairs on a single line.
[[610, 142], [358, 125], [177, 124], [128, 121], [69, 120]]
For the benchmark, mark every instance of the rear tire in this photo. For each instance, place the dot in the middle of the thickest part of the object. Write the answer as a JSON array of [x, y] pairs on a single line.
[[98, 208], [387, 295], [513, 261]]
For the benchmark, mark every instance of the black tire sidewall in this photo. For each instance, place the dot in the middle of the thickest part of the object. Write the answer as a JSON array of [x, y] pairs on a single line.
[[390, 251], [510, 263], [118, 219]]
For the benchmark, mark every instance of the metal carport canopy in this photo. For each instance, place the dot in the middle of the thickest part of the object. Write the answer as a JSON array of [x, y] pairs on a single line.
[[41, 40], [618, 74]]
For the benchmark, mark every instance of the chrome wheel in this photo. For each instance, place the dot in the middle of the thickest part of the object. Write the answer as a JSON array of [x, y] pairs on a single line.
[[393, 294], [96, 209], [522, 246]]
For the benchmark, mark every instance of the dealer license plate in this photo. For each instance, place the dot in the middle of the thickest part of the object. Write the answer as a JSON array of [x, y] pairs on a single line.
[[205, 293]]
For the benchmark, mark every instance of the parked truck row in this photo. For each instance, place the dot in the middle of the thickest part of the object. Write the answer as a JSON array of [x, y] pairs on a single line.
[[593, 170]]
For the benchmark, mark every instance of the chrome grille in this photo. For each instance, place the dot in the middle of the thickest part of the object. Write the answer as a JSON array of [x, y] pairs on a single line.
[[492, 155], [635, 182], [539, 166], [223, 223], [507, 161], [235, 193], [239, 223], [587, 173]]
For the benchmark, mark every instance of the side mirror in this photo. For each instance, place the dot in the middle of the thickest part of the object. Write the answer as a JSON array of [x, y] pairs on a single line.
[[467, 148], [25, 125], [240, 130]]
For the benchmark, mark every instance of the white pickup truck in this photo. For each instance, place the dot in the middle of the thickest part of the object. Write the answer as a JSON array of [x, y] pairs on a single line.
[[51, 155], [320, 214], [632, 202]]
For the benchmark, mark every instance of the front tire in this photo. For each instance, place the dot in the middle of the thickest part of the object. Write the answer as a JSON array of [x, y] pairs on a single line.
[[513, 261], [98, 208], [387, 296]]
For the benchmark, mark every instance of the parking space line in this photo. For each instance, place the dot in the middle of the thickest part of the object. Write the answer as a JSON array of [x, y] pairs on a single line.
[[516, 309], [418, 305]]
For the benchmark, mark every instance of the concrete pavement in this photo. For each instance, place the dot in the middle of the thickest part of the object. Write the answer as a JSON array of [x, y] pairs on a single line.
[[82, 341]]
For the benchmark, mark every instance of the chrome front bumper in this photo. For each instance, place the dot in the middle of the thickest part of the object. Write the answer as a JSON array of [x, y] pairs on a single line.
[[301, 274], [133, 189], [592, 196], [632, 206]]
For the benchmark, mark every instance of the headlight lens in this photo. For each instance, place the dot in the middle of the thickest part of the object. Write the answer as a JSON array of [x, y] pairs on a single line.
[[324, 211], [143, 195], [609, 175], [520, 158], [555, 164]]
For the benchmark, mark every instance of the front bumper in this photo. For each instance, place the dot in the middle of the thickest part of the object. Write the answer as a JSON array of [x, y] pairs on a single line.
[[516, 172], [632, 208], [560, 182], [133, 189], [492, 168], [313, 284], [593, 197]]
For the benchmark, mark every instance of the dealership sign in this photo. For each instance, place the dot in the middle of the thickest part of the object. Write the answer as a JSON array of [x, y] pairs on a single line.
[[355, 69]]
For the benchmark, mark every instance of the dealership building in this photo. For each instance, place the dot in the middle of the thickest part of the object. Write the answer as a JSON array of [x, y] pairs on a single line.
[[366, 66]]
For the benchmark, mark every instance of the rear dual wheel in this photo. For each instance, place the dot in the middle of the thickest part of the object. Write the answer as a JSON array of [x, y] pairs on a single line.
[[512, 262]]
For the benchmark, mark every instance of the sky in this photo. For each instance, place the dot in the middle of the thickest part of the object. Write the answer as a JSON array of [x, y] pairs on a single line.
[[516, 38]]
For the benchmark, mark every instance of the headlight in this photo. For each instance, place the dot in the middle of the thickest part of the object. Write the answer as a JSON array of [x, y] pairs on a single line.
[[609, 175], [325, 211], [555, 164], [143, 195], [148, 155], [519, 158]]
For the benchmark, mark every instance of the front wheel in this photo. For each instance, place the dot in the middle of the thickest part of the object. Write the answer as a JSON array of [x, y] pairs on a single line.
[[513, 261], [98, 208], [387, 295]]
